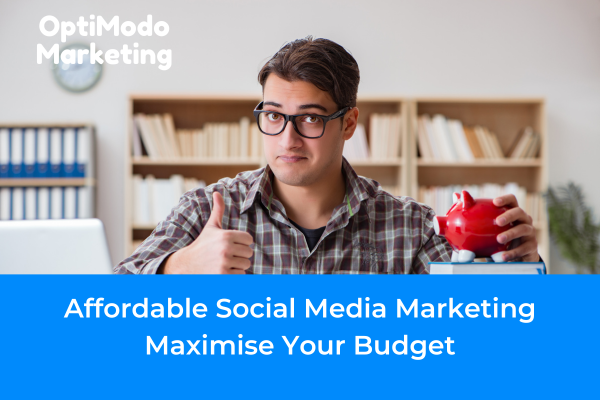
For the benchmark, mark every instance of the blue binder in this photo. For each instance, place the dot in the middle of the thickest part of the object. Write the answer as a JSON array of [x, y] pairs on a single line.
[[4, 153], [42, 160], [56, 156], [16, 153]]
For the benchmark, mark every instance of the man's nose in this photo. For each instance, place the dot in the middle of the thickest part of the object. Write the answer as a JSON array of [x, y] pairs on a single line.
[[289, 138]]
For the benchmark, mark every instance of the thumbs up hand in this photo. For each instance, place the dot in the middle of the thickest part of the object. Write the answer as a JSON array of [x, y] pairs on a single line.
[[215, 251]]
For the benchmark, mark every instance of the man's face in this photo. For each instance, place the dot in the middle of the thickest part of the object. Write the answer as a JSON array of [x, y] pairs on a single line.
[[296, 160]]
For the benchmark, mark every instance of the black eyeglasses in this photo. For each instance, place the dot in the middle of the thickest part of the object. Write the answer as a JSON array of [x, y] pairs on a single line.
[[311, 126]]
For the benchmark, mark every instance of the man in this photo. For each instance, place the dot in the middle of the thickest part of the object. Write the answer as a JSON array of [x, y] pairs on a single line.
[[307, 211]]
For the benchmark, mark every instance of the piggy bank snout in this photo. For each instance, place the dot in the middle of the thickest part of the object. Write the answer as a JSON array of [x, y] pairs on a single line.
[[439, 225]]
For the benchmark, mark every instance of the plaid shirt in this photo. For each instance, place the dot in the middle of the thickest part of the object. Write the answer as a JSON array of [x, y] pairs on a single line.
[[371, 232]]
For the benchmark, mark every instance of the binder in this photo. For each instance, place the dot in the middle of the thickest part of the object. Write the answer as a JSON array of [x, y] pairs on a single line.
[[55, 153], [56, 203], [42, 160], [29, 140], [17, 210], [16, 153], [4, 152], [43, 203], [84, 202], [83, 155], [69, 153], [5, 199], [70, 202], [30, 203]]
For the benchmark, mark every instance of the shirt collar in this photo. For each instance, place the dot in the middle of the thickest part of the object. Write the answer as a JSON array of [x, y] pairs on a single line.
[[356, 191]]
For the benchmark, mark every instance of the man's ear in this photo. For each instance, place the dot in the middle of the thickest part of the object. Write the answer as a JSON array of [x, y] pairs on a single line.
[[350, 122]]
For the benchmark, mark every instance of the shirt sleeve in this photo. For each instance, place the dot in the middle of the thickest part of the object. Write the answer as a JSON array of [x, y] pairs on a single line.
[[434, 249], [179, 229]]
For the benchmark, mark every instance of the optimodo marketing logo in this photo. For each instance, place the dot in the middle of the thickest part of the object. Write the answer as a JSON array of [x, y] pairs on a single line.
[[51, 26]]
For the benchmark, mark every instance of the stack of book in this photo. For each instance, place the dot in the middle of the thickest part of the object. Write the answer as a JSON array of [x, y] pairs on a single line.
[[526, 145], [385, 132], [487, 268], [440, 197], [441, 139], [156, 136], [154, 198]]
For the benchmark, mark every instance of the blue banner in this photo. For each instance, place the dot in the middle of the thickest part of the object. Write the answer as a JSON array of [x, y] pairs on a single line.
[[76, 337]]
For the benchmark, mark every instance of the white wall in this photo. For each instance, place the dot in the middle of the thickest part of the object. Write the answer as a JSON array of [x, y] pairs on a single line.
[[544, 48]]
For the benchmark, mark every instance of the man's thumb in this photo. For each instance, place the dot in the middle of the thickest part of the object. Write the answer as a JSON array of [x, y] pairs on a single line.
[[216, 216]]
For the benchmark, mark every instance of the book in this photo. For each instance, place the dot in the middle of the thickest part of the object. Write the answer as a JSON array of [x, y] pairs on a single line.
[[487, 268]]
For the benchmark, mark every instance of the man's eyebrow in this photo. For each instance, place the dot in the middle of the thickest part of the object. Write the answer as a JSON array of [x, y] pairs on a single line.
[[302, 107]]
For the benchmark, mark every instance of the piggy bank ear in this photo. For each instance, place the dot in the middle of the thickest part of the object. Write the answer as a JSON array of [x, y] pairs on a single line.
[[455, 197], [467, 200]]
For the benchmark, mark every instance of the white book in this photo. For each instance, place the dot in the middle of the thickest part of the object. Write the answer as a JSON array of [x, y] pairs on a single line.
[[69, 150], [177, 188], [435, 146], [5, 196], [43, 146], [495, 144], [423, 141], [29, 151], [395, 136], [204, 149], [386, 130], [444, 138], [70, 202], [363, 146], [56, 149], [224, 136], [18, 211], [147, 133], [375, 136], [460, 140], [150, 183], [30, 203], [156, 121], [519, 147], [56, 203], [483, 141], [84, 152], [140, 203], [169, 127], [244, 137], [234, 141], [162, 199], [43, 203], [136, 140]]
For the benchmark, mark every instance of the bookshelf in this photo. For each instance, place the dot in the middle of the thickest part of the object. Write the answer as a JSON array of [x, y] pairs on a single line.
[[406, 173], [58, 176], [193, 111], [503, 116]]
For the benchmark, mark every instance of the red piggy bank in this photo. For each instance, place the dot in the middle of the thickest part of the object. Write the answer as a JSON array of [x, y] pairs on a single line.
[[470, 228]]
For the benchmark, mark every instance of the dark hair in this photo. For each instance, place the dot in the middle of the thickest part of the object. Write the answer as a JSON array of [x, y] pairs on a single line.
[[324, 63]]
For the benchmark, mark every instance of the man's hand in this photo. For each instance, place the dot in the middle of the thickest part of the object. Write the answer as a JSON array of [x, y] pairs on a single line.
[[524, 246], [215, 251]]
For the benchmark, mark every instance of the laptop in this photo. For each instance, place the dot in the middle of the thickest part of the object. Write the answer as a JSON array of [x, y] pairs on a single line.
[[60, 246]]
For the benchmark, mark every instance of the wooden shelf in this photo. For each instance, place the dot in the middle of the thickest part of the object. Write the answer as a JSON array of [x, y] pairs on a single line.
[[377, 163], [194, 161], [503, 163], [44, 182]]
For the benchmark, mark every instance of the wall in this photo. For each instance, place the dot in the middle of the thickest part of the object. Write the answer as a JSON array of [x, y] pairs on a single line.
[[449, 48]]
